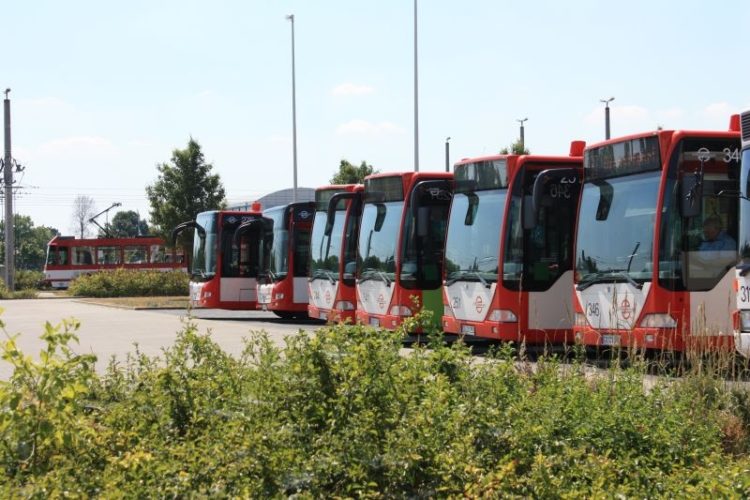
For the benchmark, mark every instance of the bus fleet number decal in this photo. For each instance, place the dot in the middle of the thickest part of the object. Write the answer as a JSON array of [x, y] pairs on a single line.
[[592, 309], [744, 294]]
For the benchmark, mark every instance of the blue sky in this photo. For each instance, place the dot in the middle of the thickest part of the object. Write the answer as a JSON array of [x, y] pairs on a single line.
[[102, 92]]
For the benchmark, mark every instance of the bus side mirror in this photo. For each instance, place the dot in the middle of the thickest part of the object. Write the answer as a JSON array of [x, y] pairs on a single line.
[[423, 221], [471, 210], [691, 193], [380, 217], [528, 212]]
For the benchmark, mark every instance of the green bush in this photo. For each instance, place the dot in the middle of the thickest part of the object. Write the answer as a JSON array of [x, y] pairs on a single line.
[[27, 293], [28, 280], [342, 412], [130, 283]]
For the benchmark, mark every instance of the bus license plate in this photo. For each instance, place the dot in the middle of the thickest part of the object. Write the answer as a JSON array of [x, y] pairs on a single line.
[[374, 322], [467, 329], [323, 316], [610, 340]]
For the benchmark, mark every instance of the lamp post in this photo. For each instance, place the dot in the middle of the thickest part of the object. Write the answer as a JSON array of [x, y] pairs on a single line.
[[447, 154], [290, 17], [416, 96], [523, 147], [606, 115], [8, 179]]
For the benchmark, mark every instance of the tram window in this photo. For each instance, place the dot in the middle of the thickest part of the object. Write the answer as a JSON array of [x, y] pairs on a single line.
[[135, 254], [108, 255], [82, 256]]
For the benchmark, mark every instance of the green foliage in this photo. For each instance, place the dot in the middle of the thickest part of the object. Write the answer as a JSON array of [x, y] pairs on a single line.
[[517, 148], [342, 412], [130, 283], [31, 242], [184, 188], [28, 280], [351, 174], [126, 224]]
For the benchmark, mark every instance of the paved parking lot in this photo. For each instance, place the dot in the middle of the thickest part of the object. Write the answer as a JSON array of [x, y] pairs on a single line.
[[109, 331]]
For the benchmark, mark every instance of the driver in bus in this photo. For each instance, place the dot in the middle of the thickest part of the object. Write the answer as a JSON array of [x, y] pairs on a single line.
[[714, 237]]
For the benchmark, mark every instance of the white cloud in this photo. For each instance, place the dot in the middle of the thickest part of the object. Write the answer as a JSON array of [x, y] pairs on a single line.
[[346, 89], [363, 127]]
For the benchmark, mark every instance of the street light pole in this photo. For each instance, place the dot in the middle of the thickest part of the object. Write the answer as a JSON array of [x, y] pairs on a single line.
[[606, 115], [10, 245], [290, 17], [523, 147], [447, 154], [416, 96]]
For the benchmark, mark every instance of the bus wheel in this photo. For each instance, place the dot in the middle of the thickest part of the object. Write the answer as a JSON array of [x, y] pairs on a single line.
[[285, 314]]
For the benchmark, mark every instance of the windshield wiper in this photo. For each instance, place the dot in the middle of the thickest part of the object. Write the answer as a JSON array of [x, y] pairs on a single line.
[[743, 269], [462, 275], [324, 273], [200, 273], [612, 276], [371, 274]]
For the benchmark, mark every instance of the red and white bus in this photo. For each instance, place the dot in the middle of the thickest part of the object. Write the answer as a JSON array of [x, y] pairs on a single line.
[[69, 257], [283, 287], [401, 246], [509, 266], [227, 258], [742, 271], [656, 244], [333, 250]]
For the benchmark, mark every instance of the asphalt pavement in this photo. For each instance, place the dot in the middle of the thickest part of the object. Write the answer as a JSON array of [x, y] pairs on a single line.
[[110, 331]]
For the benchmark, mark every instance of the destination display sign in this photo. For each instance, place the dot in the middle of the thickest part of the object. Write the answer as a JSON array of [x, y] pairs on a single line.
[[383, 189], [622, 158], [481, 175]]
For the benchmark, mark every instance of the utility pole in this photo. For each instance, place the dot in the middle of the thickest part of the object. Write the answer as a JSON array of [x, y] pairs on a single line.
[[10, 245], [523, 144], [447, 154], [606, 115]]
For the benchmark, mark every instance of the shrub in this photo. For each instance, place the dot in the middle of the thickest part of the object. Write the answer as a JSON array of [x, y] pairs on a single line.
[[18, 294], [28, 279], [342, 412], [130, 283]]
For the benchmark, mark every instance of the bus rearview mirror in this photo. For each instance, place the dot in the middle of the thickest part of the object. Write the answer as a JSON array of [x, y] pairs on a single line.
[[380, 217], [528, 212], [423, 221]]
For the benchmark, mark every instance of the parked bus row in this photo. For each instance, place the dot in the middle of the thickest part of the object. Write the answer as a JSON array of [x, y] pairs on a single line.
[[640, 241]]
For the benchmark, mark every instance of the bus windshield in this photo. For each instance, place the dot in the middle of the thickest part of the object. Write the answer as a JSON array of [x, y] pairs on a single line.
[[327, 249], [536, 257], [205, 249], [473, 244], [744, 231], [278, 265], [616, 228], [424, 235], [379, 231], [697, 251]]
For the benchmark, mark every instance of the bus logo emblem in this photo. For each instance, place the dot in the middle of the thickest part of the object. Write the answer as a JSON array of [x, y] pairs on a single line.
[[625, 309], [304, 214], [381, 301], [479, 304]]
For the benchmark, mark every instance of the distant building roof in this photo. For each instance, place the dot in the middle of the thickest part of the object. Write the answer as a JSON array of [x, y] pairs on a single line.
[[278, 198]]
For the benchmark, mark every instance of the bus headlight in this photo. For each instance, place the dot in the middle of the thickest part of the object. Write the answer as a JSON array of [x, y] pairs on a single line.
[[581, 321], [400, 311], [502, 316], [745, 321], [279, 296], [344, 305], [658, 320]]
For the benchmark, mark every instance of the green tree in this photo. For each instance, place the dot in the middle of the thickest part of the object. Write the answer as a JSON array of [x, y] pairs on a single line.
[[31, 242], [185, 187], [517, 148], [126, 224], [351, 174]]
